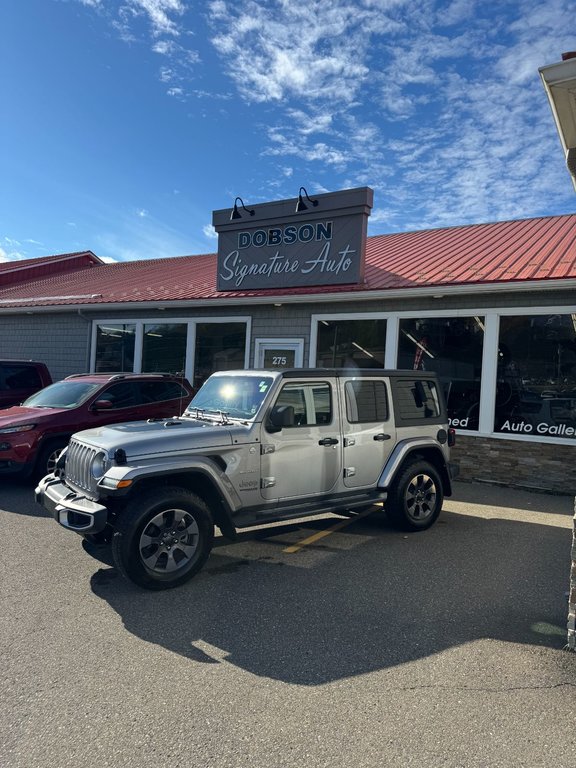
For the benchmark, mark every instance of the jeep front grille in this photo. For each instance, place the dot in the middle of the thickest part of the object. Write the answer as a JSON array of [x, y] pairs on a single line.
[[79, 458]]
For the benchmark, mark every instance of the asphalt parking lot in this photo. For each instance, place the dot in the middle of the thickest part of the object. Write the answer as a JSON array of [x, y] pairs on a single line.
[[319, 644]]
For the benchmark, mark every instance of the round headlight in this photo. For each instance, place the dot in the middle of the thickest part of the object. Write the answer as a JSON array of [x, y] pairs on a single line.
[[98, 467]]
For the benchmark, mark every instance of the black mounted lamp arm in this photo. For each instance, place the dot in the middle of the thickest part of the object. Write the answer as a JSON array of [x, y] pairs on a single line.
[[236, 213], [301, 205]]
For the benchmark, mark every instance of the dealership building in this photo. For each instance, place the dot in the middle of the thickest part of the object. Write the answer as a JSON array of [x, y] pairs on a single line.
[[297, 283]]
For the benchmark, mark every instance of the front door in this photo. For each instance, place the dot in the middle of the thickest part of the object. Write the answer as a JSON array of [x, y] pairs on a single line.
[[279, 353], [304, 459]]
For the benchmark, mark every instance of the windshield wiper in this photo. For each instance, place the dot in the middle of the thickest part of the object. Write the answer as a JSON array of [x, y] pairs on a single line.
[[208, 414]]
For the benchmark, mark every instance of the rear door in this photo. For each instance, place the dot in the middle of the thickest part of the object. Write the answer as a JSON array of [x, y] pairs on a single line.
[[369, 434], [305, 459]]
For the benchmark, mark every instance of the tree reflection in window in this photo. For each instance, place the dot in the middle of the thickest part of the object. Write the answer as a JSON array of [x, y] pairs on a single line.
[[537, 375], [452, 347]]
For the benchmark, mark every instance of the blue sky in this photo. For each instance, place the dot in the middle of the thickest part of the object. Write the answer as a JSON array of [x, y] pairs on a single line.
[[126, 122]]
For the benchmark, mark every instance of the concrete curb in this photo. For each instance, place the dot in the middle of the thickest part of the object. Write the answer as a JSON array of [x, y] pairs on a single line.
[[572, 594]]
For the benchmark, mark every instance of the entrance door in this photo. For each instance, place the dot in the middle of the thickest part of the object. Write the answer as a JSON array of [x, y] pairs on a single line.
[[279, 353]]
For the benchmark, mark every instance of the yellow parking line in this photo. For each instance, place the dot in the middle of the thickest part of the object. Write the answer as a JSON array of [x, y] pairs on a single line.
[[321, 534]]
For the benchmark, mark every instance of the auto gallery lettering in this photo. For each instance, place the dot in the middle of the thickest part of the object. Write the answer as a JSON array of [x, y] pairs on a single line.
[[542, 428], [281, 245]]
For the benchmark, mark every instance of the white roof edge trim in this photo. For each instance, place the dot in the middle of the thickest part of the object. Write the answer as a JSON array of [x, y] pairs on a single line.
[[436, 291], [55, 259], [51, 298]]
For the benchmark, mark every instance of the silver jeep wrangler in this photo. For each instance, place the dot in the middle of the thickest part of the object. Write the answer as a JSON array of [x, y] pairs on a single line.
[[254, 447]]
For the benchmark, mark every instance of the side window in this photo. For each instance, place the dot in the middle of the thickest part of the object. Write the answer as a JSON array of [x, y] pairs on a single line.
[[322, 404], [417, 399], [312, 403], [158, 391], [21, 377], [366, 401], [121, 395]]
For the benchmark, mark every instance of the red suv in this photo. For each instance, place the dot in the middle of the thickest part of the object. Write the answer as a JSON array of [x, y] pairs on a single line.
[[33, 434]]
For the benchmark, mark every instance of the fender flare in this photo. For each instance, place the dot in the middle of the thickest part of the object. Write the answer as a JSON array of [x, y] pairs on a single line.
[[402, 451], [228, 500]]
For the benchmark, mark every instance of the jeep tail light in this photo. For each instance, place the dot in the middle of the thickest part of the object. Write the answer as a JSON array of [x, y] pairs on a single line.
[[451, 437]]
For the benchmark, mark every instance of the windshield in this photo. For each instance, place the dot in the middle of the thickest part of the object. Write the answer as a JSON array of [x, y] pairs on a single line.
[[63, 394], [238, 396]]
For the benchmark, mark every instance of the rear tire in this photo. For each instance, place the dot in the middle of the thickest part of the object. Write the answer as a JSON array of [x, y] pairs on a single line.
[[415, 497], [163, 538]]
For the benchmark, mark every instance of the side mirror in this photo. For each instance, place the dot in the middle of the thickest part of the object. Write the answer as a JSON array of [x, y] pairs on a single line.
[[102, 405], [280, 416]]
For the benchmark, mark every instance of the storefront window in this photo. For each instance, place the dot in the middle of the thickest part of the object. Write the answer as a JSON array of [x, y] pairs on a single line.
[[115, 347], [219, 347], [452, 347], [351, 343], [536, 388], [164, 348]]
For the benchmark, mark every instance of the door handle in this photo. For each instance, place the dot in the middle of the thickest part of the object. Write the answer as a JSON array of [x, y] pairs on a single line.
[[382, 436], [328, 441]]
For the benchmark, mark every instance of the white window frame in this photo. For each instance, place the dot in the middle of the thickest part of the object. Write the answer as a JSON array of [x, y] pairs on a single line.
[[488, 379], [191, 324]]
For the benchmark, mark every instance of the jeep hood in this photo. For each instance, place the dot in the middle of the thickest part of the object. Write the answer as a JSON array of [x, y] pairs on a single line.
[[139, 438]]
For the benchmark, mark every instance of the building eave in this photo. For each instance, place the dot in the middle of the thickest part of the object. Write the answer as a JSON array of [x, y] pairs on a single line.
[[559, 82], [435, 291]]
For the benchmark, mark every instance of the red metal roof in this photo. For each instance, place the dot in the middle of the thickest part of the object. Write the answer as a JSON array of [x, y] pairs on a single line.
[[25, 270], [509, 252]]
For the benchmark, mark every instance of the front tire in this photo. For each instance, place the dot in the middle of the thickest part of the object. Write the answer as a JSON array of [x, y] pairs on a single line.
[[163, 538], [415, 497], [47, 458]]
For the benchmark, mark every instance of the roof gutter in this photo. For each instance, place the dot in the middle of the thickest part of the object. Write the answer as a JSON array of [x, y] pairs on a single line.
[[559, 81], [10, 306]]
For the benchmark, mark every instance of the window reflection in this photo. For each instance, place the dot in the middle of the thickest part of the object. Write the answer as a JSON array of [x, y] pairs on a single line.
[[452, 347], [351, 343], [219, 347], [115, 347], [536, 389], [164, 348]]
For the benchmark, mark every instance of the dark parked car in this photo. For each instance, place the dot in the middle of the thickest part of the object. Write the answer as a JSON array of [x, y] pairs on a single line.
[[21, 378], [33, 434]]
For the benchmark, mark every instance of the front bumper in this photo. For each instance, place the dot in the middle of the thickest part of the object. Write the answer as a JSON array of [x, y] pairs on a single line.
[[16, 469], [73, 511]]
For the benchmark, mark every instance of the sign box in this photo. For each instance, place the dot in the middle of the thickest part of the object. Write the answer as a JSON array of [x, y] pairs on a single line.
[[278, 246]]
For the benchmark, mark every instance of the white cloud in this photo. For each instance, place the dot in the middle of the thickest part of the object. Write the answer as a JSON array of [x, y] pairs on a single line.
[[436, 104], [285, 50], [159, 13], [11, 254], [209, 232]]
